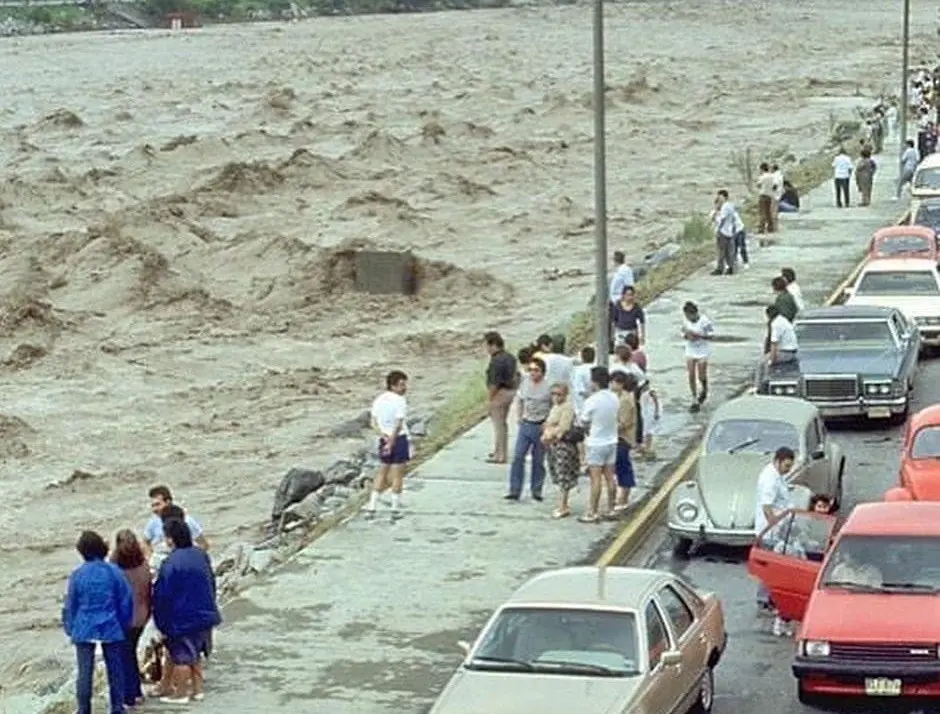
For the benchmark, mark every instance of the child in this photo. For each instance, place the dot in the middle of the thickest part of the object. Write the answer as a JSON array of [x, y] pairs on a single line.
[[697, 331]]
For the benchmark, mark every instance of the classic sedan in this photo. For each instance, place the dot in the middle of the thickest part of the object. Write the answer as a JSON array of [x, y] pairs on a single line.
[[904, 241], [919, 477], [718, 503], [912, 285], [926, 212], [853, 360], [866, 608], [587, 639]]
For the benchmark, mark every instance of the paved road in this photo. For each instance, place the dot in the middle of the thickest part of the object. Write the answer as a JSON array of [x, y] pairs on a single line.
[[755, 674]]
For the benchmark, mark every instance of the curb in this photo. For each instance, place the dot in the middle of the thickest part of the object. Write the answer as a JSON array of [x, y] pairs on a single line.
[[634, 533]]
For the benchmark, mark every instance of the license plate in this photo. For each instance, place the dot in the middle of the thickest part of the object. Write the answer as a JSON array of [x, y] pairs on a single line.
[[883, 687], [879, 413]]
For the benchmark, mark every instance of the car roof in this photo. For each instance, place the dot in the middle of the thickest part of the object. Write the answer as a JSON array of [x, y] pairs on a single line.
[[931, 162], [592, 586], [928, 416], [896, 264], [905, 230], [843, 312], [901, 518], [753, 406]]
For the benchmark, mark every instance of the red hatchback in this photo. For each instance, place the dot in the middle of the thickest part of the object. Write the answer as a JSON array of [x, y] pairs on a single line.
[[867, 598], [919, 478], [904, 242]]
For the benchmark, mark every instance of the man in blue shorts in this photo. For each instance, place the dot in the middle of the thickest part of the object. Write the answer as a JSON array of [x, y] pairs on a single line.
[[389, 421]]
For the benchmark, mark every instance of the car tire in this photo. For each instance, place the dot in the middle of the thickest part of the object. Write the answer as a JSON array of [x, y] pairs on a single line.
[[816, 701], [681, 547], [706, 694]]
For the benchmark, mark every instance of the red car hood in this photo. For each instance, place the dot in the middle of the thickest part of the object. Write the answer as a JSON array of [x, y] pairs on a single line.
[[840, 616], [923, 476]]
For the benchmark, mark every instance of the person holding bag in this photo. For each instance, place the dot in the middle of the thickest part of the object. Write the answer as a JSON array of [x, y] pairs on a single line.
[[561, 437]]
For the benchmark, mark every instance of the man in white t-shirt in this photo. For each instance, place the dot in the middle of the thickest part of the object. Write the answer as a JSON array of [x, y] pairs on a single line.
[[581, 380], [558, 367], [162, 506], [782, 346], [389, 418], [600, 443], [697, 331], [789, 275], [773, 501], [842, 167]]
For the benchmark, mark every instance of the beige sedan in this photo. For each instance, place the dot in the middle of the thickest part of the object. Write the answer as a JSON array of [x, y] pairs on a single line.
[[593, 640]]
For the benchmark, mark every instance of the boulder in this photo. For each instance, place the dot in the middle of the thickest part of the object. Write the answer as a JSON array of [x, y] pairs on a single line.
[[351, 428], [343, 471], [232, 560], [308, 510], [296, 485], [260, 561], [418, 426]]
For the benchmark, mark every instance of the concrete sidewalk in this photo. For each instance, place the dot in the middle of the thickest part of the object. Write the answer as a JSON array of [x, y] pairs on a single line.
[[367, 619]]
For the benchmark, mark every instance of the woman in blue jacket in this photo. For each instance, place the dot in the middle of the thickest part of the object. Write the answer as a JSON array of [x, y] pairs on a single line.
[[185, 610], [99, 607]]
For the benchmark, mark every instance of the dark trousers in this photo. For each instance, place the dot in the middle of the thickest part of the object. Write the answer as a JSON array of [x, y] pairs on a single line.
[[113, 653], [842, 192], [740, 246], [724, 246], [528, 439], [131, 667]]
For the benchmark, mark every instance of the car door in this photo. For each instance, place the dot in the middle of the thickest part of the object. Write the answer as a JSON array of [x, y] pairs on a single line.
[[659, 693], [817, 462], [690, 640], [786, 558], [909, 339]]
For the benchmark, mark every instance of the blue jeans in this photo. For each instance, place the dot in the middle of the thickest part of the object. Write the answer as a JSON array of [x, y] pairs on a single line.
[[114, 665], [529, 439]]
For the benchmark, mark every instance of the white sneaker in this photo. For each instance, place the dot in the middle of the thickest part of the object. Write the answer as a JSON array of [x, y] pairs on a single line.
[[780, 627]]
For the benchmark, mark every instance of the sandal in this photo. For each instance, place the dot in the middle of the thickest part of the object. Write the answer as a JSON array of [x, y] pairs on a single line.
[[491, 459], [589, 518], [561, 513]]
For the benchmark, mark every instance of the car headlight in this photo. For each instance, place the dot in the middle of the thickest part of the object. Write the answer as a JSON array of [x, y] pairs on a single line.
[[778, 389], [815, 648], [687, 511], [878, 389]]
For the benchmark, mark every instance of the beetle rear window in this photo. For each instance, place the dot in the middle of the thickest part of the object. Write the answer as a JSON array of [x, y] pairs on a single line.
[[761, 436], [926, 443]]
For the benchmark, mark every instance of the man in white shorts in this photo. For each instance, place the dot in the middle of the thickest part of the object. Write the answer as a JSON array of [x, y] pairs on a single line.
[[600, 416]]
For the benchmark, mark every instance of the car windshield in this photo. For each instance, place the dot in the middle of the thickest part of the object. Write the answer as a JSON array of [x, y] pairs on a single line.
[[906, 564], [900, 245], [762, 436], [926, 443], [928, 178], [928, 214], [899, 282], [844, 334], [598, 643]]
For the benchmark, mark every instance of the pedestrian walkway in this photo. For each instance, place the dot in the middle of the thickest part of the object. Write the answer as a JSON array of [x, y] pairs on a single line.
[[368, 618]]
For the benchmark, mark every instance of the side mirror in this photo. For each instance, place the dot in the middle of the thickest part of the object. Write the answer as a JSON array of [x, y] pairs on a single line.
[[672, 658], [819, 453], [464, 646]]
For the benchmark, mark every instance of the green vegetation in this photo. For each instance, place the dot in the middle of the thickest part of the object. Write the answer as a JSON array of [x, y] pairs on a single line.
[[67, 18], [236, 10]]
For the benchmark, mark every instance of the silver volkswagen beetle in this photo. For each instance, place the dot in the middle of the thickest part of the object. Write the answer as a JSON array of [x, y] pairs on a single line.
[[717, 504]]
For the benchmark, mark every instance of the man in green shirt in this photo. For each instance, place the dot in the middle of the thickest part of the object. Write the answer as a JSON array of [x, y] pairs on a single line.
[[783, 300]]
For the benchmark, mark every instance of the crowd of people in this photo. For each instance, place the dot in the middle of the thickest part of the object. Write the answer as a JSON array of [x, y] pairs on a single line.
[[166, 578]]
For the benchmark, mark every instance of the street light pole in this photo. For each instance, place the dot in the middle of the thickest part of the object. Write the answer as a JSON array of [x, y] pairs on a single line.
[[905, 70], [602, 319]]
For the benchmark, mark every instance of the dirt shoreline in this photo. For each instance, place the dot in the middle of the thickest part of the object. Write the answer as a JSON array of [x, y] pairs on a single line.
[[172, 306]]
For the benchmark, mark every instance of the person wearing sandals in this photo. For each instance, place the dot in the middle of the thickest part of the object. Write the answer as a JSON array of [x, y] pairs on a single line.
[[624, 386], [559, 436], [600, 418], [697, 331]]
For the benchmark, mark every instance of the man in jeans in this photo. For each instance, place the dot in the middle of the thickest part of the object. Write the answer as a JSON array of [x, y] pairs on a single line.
[[726, 220], [535, 402], [600, 416], [501, 376]]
